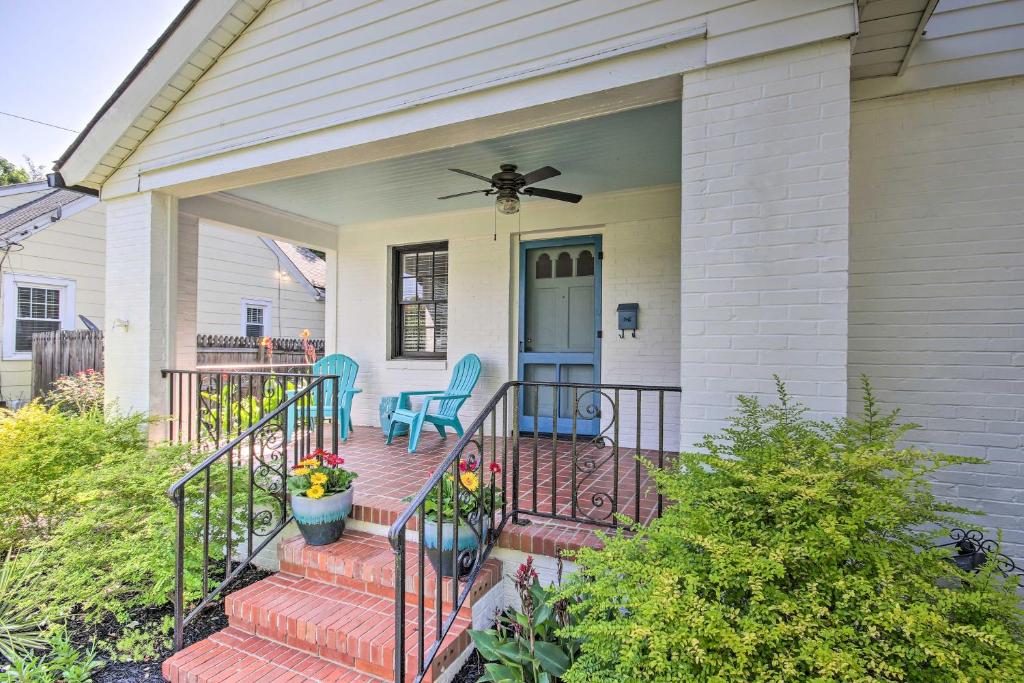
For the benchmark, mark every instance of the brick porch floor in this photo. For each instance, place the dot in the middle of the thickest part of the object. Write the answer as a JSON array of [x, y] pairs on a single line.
[[388, 474]]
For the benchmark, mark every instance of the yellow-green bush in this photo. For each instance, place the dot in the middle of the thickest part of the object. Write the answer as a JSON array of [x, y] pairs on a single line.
[[41, 450], [794, 551]]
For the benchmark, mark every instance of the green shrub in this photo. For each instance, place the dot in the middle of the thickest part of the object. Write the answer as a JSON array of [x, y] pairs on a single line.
[[41, 449], [794, 551], [77, 394], [62, 662], [116, 553]]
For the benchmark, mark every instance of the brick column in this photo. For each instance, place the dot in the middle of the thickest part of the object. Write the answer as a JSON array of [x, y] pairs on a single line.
[[142, 301], [765, 230]]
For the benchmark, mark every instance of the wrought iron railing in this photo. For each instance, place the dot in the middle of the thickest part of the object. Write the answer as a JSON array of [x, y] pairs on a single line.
[[554, 452], [231, 505], [211, 406]]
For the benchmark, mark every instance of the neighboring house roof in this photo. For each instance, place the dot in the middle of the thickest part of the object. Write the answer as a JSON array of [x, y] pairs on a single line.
[[306, 265], [29, 218]]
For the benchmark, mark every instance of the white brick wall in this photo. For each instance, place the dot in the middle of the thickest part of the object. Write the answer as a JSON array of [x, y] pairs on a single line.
[[937, 280], [764, 226], [640, 232]]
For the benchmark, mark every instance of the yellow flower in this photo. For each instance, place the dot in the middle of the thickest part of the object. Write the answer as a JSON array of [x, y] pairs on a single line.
[[309, 462], [469, 480], [318, 478], [300, 471], [315, 491], [304, 334]]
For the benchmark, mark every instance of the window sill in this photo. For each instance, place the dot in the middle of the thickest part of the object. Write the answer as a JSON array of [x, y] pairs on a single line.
[[417, 364], [21, 355]]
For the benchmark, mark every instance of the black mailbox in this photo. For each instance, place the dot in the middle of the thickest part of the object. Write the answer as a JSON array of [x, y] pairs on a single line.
[[629, 318]]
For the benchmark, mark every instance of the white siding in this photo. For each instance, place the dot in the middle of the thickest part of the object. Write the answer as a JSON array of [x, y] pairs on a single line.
[[965, 41], [303, 66], [73, 248], [937, 280], [640, 232], [765, 227], [234, 266]]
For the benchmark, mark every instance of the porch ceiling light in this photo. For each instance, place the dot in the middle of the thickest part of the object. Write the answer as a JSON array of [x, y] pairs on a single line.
[[507, 203]]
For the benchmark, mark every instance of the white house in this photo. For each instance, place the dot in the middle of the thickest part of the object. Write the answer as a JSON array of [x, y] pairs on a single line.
[[816, 189], [54, 262]]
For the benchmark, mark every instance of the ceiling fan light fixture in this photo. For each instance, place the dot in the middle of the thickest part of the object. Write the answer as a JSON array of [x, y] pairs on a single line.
[[507, 204]]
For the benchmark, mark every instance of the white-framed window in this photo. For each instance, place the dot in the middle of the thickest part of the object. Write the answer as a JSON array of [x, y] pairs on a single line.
[[256, 318], [34, 303]]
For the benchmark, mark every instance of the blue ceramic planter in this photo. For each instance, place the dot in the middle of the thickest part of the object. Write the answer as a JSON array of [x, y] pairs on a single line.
[[447, 563], [322, 520]]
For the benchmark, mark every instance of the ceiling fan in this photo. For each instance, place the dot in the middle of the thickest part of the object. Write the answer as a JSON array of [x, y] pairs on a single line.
[[508, 184]]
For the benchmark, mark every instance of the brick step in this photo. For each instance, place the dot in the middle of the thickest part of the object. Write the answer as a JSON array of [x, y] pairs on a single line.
[[341, 624], [366, 562], [234, 656]]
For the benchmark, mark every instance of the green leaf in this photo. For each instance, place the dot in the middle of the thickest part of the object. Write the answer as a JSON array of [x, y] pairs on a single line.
[[551, 658], [486, 643], [500, 673], [514, 653]]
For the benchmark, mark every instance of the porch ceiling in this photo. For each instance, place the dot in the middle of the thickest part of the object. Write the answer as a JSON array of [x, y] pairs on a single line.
[[636, 148]]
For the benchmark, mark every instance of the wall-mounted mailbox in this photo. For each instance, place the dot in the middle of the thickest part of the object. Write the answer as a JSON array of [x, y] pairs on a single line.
[[629, 318]]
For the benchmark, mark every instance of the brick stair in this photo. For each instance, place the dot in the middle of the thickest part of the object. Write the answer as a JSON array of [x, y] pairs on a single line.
[[328, 615]]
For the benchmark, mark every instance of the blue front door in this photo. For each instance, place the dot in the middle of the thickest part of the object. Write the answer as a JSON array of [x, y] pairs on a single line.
[[559, 320]]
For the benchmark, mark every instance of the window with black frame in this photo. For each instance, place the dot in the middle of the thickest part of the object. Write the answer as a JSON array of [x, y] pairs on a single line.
[[420, 311]]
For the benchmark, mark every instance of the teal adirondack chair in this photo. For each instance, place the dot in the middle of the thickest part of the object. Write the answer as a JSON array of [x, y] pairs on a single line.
[[346, 369], [445, 403]]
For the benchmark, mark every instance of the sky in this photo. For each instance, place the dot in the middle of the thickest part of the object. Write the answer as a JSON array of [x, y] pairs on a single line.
[[64, 58]]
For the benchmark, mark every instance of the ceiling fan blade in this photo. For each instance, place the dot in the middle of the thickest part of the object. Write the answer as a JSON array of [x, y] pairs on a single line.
[[553, 194], [462, 194], [540, 174], [472, 175]]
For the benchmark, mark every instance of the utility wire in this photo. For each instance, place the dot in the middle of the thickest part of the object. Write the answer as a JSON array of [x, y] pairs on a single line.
[[41, 123]]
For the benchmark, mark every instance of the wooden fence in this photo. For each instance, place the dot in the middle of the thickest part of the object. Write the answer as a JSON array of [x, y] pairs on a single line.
[[63, 352], [222, 350], [66, 352]]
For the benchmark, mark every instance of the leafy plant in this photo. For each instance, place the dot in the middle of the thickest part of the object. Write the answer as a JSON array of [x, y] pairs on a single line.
[[22, 628], [42, 450], [320, 474], [77, 394], [474, 495], [795, 550], [234, 408], [526, 647], [63, 663]]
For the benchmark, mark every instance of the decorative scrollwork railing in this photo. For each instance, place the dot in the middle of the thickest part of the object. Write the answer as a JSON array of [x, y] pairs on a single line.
[[974, 551], [537, 451], [234, 502]]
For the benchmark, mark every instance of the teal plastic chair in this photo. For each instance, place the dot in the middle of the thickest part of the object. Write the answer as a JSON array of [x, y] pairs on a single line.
[[440, 407], [346, 370]]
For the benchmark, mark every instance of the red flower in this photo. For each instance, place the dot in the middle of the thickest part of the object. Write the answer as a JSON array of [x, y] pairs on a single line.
[[495, 468], [463, 466]]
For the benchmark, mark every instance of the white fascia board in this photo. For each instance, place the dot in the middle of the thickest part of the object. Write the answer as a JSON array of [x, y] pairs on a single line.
[[172, 56], [420, 125], [293, 269], [21, 188], [263, 220]]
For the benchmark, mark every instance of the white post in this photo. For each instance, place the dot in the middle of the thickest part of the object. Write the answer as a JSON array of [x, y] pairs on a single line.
[[765, 233], [141, 302]]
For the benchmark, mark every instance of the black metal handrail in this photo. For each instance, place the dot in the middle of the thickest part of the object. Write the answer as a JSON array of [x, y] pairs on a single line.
[[260, 453], [209, 406], [594, 462]]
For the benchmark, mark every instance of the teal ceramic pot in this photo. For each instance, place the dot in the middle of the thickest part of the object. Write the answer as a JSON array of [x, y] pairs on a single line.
[[446, 562], [322, 520]]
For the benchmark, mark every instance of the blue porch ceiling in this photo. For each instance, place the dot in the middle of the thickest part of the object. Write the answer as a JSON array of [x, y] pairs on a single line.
[[631, 149]]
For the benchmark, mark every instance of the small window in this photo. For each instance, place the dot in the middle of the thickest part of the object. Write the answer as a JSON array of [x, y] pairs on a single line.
[[38, 311], [31, 304], [543, 267], [585, 264], [420, 311], [255, 318], [563, 266]]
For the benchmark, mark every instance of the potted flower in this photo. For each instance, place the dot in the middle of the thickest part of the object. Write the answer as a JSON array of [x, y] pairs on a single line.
[[476, 501], [321, 496]]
